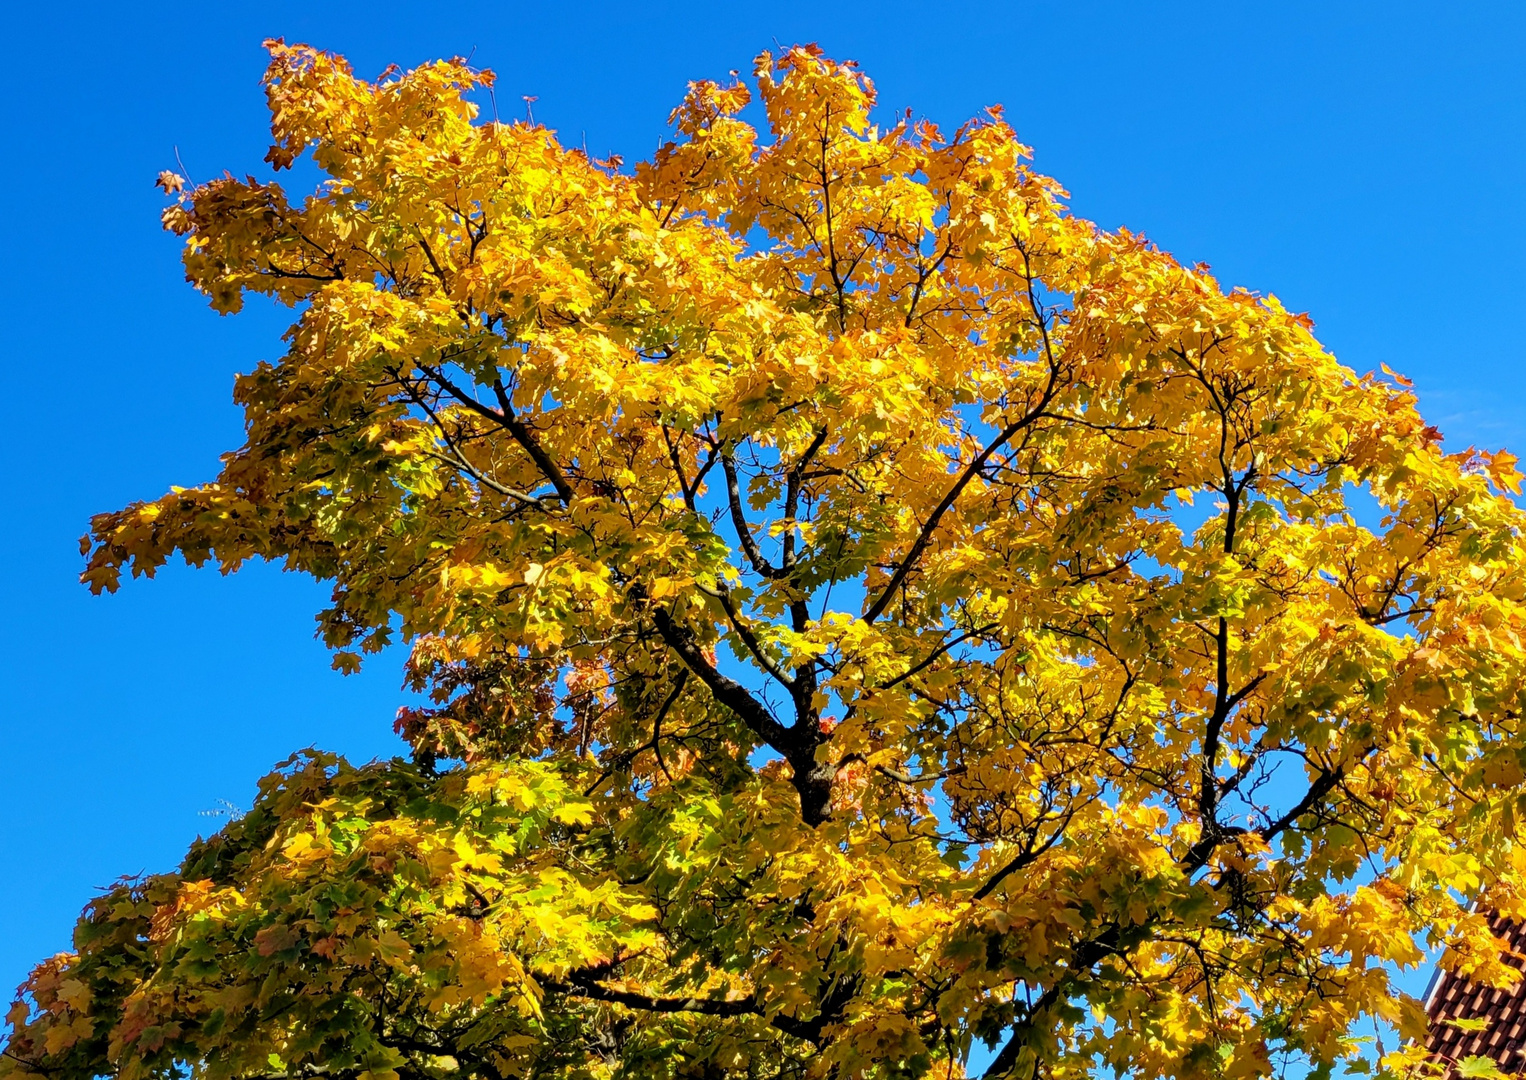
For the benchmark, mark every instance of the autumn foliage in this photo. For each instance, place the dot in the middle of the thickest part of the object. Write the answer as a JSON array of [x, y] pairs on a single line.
[[866, 612]]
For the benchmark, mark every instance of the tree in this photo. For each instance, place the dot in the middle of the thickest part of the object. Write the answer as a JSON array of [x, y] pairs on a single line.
[[867, 610]]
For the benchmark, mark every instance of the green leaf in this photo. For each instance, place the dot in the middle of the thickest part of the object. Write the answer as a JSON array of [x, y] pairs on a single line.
[[1478, 1066]]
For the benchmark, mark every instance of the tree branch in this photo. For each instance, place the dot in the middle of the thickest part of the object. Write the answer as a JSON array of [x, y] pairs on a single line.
[[739, 521], [1027, 857], [792, 485], [1110, 939], [933, 656], [725, 689], [744, 632], [526, 438], [924, 537], [587, 986]]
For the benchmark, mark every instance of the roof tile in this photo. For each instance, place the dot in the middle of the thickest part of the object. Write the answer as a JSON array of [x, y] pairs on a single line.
[[1454, 998]]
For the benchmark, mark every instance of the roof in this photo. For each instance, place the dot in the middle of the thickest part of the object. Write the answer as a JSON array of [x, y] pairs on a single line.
[[1452, 997]]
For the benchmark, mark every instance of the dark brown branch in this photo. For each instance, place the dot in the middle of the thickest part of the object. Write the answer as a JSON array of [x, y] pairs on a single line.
[[1087, 954], [35, 1066], [685, 487], [726, 690], [654, 744], [1111, 939], [745, 633], [793, 482], [924, 537], [510, 423], [1325, 783], [739, 521], [1224, 701], [587, 986], [923, 273], [456, 459], [526, 438], [1224, 705], [1027, 857], [933, 657]]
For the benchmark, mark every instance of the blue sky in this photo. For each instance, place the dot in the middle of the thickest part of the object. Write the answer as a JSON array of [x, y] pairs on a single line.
[[1362, 161]]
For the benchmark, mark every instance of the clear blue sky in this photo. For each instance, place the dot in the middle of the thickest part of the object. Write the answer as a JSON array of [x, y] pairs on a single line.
[[1362, 161]]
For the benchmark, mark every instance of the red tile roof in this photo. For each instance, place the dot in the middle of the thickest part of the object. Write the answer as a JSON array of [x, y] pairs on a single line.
[[1453, 998]]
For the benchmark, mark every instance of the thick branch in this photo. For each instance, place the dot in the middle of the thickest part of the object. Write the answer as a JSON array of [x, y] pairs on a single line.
[[510, 423], [589, 988], [739, 521], [456, 459], [526, 438], [792, 485], [726, 690], [1224, 701], [586, 986]]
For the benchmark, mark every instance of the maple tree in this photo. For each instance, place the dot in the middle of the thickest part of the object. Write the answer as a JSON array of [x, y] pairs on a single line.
[[865, 611]]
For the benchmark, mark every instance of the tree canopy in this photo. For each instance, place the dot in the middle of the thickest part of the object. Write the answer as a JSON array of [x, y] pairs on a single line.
[[865, 611]]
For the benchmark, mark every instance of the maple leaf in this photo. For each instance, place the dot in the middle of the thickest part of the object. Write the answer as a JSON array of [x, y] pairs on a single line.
[[1502, 471], [1476, 1067]]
